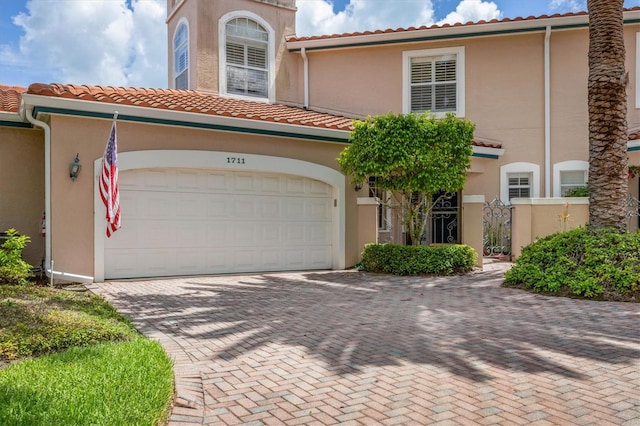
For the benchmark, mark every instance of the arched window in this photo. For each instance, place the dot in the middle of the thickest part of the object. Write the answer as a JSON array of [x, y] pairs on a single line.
[[247, 56], [181, 57]]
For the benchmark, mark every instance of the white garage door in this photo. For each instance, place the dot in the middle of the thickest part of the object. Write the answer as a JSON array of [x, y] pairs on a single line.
[[188, 221]]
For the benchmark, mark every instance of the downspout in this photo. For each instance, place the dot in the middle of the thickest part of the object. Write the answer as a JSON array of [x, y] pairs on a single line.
[[48, 263], [305, 77], [547, 114]]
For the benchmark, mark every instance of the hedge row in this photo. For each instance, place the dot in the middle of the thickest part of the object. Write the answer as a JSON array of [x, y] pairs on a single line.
[[415, 260]]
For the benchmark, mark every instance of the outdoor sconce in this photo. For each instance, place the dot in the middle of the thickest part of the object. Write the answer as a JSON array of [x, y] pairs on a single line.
[[358, 186], [74, 168]]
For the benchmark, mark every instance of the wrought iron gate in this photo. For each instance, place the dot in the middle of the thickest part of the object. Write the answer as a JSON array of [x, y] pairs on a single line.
[[496, 222]]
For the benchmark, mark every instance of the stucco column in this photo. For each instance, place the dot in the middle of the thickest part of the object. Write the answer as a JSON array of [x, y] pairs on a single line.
[[520, 225], [472, 230], [367, 222]]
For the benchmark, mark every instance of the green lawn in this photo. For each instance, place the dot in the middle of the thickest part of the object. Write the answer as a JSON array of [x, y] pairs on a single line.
[[76, 361]]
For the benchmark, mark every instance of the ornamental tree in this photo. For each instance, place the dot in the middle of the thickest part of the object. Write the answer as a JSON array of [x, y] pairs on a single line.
[[414, 157]]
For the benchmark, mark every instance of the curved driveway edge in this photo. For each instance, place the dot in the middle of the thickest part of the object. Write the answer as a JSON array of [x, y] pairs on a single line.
[[355, 348]]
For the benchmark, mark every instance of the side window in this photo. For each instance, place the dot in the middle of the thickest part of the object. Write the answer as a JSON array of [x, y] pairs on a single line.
[[519, 185], [519, 180], [434, 81], [181, 57], [572, 179], [246, 52], [568, 175]]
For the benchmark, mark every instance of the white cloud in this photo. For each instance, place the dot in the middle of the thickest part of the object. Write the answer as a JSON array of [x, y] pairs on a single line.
[[316, 17], [568, 5], [124, 42], [474, 11], [98, 42]]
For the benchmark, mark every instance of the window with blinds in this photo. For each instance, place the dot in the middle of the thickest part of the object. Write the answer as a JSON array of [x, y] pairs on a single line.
[[519, 185], [572, 179], [246, 56], [433, 83], [181, 57]]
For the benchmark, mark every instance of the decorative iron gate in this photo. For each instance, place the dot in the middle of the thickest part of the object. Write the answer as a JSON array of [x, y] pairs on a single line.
[[633, 210], [444, 219], [496, 222]]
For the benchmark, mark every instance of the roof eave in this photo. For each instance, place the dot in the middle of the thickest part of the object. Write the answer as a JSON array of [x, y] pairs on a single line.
[[451, 32], [66, 106]]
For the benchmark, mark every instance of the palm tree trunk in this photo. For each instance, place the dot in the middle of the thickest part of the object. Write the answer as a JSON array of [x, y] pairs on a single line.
[[608, 165]]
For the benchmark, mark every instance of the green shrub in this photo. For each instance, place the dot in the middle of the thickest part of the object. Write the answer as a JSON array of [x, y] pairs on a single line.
[[581, 191], [414, 260], [584, 262], [12, 268]]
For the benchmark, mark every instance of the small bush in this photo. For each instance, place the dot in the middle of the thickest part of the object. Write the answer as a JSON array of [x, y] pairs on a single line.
[[585, 262], [414, 260], [13, 269], [580, 191]]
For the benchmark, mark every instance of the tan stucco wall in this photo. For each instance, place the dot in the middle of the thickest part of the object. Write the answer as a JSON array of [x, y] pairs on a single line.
[[504, 94], [537, 218], [472, 224], [203, 17], [367, 222], [72, 210], [22, 186]]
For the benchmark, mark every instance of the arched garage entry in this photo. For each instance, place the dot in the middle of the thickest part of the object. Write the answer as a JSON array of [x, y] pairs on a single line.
[[204, 212]]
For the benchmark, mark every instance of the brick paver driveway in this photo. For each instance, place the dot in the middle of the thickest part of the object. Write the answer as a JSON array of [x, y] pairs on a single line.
[[354, 348]]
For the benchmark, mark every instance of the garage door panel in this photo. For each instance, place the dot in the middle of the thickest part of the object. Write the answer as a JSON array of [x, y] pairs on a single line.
[[191, 221]]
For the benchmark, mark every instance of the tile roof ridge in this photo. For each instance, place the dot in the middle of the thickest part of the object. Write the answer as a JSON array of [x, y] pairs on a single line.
[[294, 38], [7, 88]]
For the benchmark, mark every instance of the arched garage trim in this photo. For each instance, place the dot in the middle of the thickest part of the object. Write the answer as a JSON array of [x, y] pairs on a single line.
[[216, 160]]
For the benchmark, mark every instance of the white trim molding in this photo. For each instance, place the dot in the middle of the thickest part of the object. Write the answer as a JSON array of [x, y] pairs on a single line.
[[219, 160], [460, 76], [567, 166], [519, 167], [222, 55]]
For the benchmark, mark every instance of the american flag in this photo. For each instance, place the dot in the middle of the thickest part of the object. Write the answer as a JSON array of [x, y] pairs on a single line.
[[109, 182]]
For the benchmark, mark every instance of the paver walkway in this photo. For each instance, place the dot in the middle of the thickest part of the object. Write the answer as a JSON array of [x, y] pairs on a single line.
[[356, 348]]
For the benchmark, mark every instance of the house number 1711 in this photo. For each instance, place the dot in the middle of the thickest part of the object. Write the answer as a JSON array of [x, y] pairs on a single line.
[[235, 160]]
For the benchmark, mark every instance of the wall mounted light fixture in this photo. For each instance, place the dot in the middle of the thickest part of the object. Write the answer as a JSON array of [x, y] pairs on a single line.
[[74, 168], [358, 186]]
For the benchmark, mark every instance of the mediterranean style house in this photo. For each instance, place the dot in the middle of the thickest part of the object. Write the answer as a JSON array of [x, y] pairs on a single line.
[[233, 168]]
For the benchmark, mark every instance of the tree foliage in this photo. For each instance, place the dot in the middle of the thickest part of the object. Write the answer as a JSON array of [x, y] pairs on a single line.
[[412, 155]]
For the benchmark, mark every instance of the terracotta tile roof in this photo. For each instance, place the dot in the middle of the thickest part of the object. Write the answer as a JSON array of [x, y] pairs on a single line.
[[431, 27], [487, 144], [10, 97], [195, 102]]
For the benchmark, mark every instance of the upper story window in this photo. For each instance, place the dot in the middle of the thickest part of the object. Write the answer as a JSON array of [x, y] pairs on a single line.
[[434, 81], [181, 57], [247, 56]]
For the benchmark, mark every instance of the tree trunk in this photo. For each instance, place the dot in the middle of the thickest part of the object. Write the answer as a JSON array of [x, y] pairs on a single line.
[[608, 165]]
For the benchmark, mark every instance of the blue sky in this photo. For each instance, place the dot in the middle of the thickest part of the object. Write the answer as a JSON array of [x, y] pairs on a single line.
[[123, 42]]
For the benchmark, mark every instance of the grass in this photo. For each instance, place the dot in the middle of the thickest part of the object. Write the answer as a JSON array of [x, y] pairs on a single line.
[[75, 360]]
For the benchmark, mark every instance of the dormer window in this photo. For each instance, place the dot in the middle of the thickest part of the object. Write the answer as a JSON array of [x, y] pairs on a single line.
[[181, 57], [247, 57]]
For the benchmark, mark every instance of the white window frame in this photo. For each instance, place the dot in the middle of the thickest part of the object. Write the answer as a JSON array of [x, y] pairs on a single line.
[[567, 166], [222, 56], [519, 167], [407, 56], [182, 21]]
